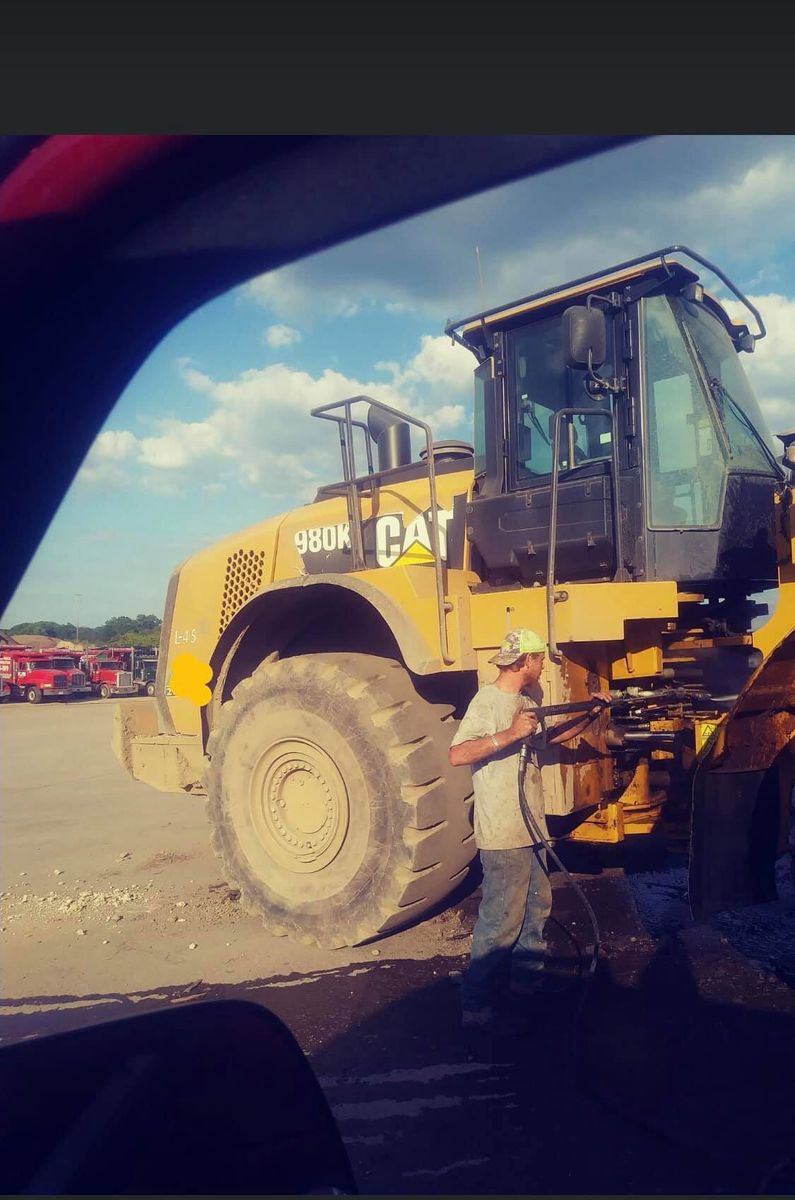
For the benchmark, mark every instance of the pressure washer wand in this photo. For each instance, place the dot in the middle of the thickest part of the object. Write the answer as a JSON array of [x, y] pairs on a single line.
[[635, 698]]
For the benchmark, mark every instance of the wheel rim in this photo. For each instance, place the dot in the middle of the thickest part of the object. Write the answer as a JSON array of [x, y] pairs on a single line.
[[299, 805]]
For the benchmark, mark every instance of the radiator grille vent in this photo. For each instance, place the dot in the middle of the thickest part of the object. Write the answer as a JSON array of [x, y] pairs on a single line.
[[243, 580]]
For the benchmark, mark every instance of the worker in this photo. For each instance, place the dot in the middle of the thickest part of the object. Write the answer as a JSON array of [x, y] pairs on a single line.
[[508, 938]]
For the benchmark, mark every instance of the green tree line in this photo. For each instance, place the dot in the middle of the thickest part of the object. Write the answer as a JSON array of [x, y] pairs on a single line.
[[143, 630]]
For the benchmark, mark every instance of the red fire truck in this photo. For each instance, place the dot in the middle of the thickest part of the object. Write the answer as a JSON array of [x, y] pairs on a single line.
[[110, 671], [36, 675]]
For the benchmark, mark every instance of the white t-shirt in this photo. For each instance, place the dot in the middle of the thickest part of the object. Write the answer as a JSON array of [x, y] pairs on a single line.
[[499, 824]]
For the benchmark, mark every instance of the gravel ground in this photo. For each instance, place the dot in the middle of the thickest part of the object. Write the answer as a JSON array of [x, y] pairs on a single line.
[[763, 933]]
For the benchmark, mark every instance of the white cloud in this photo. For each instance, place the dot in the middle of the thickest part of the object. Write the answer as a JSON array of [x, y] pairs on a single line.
[[194, 378], [752, 204], [445, 363], [446, 418], [163, 483], [288, 293], [389, 366], [101, 467], [282, 335], [280, 291], [440, 363], [771, 367], [114, 445], [103, 475], [259, 431], [180, 444]]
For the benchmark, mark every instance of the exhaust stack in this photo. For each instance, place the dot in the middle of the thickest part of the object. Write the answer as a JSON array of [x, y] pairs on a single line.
[[392, 438]]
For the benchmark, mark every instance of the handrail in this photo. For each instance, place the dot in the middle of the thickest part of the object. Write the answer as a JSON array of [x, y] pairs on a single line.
[[326, 412], [650, 258], [621, 573], [346, 425]]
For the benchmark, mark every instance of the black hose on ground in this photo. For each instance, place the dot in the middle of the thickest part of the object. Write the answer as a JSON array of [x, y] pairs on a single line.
[[540, 838], [535, 831]]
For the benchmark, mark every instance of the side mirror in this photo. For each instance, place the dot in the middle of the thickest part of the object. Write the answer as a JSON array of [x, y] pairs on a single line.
[[788, 457], [584, 337]]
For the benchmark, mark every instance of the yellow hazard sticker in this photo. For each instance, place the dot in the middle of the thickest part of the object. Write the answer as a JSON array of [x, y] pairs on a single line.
[[704, 731]]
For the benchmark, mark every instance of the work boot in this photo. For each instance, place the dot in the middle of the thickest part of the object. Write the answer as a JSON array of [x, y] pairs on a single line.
[[492, 1021], [528, 984], [540, 983], [478, 1018]]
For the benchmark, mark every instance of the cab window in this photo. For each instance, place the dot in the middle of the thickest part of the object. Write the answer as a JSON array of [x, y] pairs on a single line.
[[686, 467], [540, 385]]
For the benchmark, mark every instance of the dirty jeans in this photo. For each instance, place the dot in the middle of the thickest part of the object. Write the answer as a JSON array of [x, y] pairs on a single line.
[[509, 932]]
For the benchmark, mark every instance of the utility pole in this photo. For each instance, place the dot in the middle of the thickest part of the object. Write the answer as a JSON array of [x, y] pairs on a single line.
[[78, 598]]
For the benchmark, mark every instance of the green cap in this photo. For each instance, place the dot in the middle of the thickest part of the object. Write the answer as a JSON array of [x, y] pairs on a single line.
[[517, 643]]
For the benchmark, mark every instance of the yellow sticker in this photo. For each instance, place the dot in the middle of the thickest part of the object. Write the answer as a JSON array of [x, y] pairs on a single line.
[[189, 677], [414, 554], [704, 731]]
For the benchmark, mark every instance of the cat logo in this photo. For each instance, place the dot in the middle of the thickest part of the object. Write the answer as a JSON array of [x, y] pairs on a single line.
[[398, 545], [388, 539]]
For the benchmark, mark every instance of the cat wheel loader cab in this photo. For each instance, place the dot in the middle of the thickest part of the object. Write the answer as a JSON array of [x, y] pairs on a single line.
[[622, 495]]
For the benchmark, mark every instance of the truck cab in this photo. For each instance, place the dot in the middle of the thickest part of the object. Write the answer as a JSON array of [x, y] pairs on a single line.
[[110, 672], [145, 672]]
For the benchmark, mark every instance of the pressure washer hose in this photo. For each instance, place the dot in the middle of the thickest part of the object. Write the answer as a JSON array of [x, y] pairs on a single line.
[[535, 831]]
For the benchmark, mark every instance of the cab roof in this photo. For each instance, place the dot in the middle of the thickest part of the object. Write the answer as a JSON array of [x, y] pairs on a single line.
[[474, 331]]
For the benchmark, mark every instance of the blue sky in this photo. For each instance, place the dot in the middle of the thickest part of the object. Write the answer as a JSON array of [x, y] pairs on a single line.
[[213, 434]]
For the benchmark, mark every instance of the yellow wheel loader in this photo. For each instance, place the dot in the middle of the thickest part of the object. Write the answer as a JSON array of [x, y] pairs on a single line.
[[622, 497]]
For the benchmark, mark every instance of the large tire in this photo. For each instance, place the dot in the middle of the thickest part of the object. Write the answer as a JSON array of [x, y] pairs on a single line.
[[104, 691], [332, 802], [33, 694], [150, 689]]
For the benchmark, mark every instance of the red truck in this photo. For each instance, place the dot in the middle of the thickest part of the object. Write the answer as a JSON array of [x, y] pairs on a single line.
[[36, 675], [110, 671]]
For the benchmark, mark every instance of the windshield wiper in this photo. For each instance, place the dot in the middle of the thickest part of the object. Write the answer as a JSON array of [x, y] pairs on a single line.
[[530, 409], [718, 389], [712, 403]]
